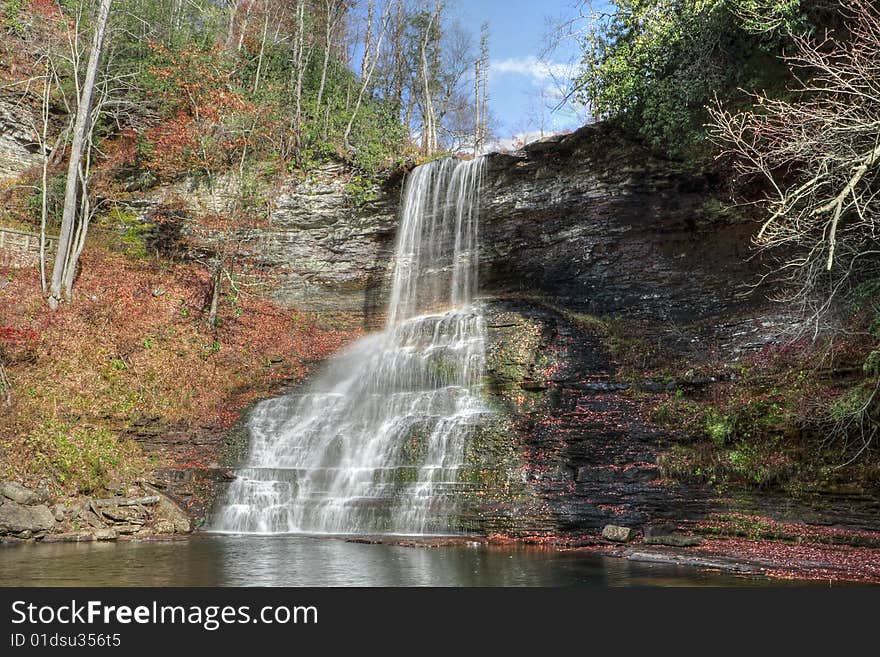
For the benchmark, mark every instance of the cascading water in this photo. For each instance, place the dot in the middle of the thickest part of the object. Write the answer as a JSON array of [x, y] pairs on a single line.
[[376, 443]]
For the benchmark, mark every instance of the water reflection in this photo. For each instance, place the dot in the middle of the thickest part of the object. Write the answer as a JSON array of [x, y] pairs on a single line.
[[304, 561]]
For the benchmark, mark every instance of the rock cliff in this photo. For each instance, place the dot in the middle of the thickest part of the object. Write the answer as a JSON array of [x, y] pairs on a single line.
[[19, 149], [589, 222]]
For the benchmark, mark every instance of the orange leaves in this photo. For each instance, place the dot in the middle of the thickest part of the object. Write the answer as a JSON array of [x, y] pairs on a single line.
[[9, 336], [45, 8], [123, 350], [173, 146], [209, 122]]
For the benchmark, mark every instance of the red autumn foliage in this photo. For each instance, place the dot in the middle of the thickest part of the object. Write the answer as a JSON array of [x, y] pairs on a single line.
[[209, 123], [45, 8], [134, 348]]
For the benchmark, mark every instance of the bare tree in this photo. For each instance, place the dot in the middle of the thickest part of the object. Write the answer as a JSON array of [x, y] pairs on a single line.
[[334, 10], [49, 80], [300, 64], [368, 41], [5, 385], [266, 12], [365, 82], [819, 152], [481, 91], [428, 115], [66, 254]]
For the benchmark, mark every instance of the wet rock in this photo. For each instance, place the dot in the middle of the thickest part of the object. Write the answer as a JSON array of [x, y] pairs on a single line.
[[21, 494], [715, 563], [673, 540], [19, 148], [105, 534], [171, 517], [658, 529], [569, 458], [69, 537], [617, 533], [11, 540], [16, 518]]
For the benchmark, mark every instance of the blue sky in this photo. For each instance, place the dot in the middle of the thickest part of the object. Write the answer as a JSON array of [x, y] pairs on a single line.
[[524, 81]]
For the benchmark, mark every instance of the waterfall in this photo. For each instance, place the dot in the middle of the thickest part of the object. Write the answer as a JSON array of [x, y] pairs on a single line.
[[376, 442]]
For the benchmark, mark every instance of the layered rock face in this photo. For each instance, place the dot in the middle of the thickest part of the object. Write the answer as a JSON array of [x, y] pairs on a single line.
[[589, 222], [565, 450], [328, 251], [321, 249], [593, 223], [19, 149], [584, 224]]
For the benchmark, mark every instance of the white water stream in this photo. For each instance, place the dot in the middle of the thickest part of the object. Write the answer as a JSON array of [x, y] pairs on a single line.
[[376, 442]]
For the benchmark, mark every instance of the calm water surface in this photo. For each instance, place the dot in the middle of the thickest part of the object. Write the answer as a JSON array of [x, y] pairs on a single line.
[[304, 561]]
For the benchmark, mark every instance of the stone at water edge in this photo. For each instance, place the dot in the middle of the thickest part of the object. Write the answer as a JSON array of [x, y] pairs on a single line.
[[21, 494], [106, 534], [16, 518], [617, 533], [659, 529], [673, 540]]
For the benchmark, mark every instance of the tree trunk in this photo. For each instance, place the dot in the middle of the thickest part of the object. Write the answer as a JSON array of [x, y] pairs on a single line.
[[5, 385], [299, 68], [386, 15], [327, 32], [262, 51], [427, 108], [477, 113], [216, 280], [63, 261], [44, 195], [368, 38]]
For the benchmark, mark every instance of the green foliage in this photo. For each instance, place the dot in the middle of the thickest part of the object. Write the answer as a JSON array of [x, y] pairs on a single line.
[[849, 405], [866, 298], [361, 189], [81, 459], [719, 428], [133, 234], [12, 16], [54, 201], [654, 65]]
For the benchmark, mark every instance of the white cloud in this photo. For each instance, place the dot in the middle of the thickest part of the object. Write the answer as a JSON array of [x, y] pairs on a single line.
[[530, 66], [516, 141]]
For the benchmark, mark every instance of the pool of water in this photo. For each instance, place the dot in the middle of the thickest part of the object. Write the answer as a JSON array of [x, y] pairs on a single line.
[[305, 561]]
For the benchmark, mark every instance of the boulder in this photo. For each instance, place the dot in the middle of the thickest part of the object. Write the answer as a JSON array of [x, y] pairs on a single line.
[[16, 518], [673, 540], [18, 144], [106, 534], [659, 529], [617, 533], [18, 493], [70, 537], [58, 511], [126, 514], [170, 517]]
